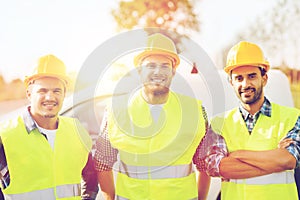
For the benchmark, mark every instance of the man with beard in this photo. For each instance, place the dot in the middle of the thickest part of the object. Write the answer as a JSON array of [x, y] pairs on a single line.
[[43, 154], [156, 132], [262, 137]]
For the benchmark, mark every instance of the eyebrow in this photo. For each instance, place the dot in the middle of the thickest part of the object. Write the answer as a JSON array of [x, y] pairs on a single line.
[[43, 89], [163, 63], [254, 73]]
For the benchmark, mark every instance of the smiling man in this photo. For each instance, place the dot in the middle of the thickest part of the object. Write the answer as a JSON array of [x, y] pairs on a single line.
[[43, 153], [154, 135], [259, 141]]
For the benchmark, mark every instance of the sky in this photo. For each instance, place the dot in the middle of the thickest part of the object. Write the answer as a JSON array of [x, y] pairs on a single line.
[[71, 29]]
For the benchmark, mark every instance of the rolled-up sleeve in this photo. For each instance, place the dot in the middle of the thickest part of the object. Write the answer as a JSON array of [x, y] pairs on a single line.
[[216, 150], [211, 150], [105, 155], [294, 148]]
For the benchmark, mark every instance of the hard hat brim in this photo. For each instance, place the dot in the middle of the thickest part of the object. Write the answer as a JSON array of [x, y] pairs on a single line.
[[63, 78], [228, 69], [151, 52]]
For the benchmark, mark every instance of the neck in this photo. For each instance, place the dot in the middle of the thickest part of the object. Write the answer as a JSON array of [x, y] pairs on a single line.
[[254, 107], [155, 97], [46, 123]]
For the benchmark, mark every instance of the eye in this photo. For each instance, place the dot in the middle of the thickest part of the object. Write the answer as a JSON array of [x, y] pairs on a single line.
[[239, 78], [252, 76], [57, 91], [42, 91], [166, 66], [151, 66]]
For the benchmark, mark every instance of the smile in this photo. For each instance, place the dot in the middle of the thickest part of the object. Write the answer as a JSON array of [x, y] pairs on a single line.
[[49, 104], [247, 91], [157, 80]]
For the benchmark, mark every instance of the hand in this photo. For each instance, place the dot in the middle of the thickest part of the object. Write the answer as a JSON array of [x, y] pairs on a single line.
[[285, 143]]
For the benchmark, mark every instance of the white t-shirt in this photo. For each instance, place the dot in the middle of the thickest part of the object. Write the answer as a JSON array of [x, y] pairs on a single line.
[[50, 135], [155, 110]]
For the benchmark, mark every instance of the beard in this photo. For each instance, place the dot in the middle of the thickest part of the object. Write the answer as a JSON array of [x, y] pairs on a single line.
[[257, 95], [49, 115], [156, 89]]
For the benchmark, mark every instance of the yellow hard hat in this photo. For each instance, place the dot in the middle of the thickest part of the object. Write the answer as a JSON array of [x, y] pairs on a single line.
[[159, 44], [48, 66], [245, 53]]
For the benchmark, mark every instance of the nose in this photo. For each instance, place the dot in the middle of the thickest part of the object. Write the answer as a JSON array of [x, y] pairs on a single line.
[[245, 83], [156, 69], [49, 95]]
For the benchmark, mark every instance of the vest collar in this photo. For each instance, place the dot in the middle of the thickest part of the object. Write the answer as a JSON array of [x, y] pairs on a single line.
[[266, 109], [28, 121]]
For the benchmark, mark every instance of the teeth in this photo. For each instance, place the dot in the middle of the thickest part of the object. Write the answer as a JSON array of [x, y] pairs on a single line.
[[49, 104], [157, 80], [248, 91]]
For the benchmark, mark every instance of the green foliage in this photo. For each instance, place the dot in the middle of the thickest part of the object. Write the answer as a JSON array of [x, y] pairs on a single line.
[[173, 15], [296, 94], [277, 31]]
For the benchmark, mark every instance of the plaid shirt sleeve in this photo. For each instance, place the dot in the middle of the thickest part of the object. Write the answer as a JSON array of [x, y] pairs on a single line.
[[198, 158], [216, 150], [210, 151], [4, 173], [294, 148], [105, 155]]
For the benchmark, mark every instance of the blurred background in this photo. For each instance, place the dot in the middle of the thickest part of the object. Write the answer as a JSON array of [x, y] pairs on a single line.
[[71, 30]]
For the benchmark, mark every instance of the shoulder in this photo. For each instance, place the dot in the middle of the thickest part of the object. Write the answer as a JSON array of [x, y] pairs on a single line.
[[286, 109], [218, 121], [185, 98], [10, 125], [226, 114], [70, 123]]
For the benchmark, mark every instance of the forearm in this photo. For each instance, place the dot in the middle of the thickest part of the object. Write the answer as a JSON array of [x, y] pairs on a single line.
[[232, 168], [271, 161], [203, 185], [106, 181], [89, 183]]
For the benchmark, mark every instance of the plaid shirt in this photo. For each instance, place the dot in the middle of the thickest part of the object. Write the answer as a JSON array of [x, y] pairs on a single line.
[[219, 150], [106, 155]]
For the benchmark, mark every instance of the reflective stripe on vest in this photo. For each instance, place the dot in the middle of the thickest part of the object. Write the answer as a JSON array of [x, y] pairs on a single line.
[[156, 172], [62, 191], [70, 190], [285, 177], [122, 198], [46, 194]]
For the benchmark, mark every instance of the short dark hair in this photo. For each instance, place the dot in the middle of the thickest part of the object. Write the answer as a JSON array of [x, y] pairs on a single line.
[[262, 70]]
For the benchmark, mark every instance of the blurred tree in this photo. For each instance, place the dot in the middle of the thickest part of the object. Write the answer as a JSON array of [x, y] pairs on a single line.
[[277, 31], [176, 16], [2, 82]]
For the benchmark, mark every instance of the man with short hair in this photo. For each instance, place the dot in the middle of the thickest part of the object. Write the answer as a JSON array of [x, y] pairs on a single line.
[[258, 145], [44, 153], [156, 132]]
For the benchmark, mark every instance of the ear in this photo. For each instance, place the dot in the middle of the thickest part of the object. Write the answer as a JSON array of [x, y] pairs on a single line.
[[229, 79], [173, 71], [28, 92], [139, 70], [265, 79]]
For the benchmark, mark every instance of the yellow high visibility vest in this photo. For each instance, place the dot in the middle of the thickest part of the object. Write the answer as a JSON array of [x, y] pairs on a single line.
[[266, 134], [156, 156], [39, 172]]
